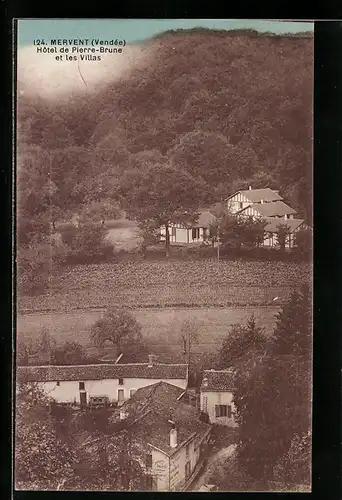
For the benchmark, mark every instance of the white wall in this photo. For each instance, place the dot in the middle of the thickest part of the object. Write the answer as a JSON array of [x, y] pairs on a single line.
[[160, 469], [68, 391], [214, 398], [237, 202], [182, 235]]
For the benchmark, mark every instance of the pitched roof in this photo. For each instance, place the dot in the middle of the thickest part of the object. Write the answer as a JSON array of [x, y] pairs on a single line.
[[153, 408], [218, 380], [270, 209], [101, 371], [205, 219], [272, 224], [256, 195]]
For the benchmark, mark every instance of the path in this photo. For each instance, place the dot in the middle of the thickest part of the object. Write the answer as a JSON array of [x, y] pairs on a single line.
[[213, 461]]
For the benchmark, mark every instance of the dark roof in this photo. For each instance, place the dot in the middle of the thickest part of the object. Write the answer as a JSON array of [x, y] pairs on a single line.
[[152, 409], [256, 195], [101, 371], [218, 380], [271, 209], [272, 224]]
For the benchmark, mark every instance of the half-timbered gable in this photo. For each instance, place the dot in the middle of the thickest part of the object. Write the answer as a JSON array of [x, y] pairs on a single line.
[[276, 209], [243, 198]]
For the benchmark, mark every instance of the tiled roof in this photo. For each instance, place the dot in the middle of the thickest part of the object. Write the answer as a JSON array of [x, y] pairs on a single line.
[[270, 209], [272, 224], [153, 407], [218, 380], [101, 371], [256, 195]]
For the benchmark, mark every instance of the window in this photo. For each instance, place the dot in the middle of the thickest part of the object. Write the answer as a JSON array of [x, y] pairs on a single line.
[[187, 470], [148, 461], [121, 395], [195, 233], [173, 231], [187, 449], [240, 204], [58, 383], [120, 381], [132, 392], [223, 411], [81, 386]]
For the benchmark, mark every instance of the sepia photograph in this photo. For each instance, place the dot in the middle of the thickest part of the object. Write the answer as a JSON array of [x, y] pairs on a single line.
[[164, 269]]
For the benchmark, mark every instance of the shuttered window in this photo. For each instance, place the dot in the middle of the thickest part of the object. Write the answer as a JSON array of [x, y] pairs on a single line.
[[223, 411]]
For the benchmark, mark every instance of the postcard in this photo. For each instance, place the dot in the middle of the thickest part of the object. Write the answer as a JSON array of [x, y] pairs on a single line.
[[164, 182]]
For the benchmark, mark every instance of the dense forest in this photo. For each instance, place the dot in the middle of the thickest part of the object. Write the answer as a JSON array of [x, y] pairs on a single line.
[[231, 109]]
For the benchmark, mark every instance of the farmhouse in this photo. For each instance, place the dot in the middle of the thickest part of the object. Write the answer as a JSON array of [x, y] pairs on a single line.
[[196, 233], [79, 384], [173, 435], [243, 198], [217, 390]]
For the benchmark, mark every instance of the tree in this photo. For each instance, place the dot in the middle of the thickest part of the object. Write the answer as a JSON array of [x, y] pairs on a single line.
[[188, 337], [122, 330], [86, 243], [273, 398], [303, 241], [70, 353], [163, 195], [34, 265], [149, 234], [282, 235], [293, 470], [43, 460], [242, 342]]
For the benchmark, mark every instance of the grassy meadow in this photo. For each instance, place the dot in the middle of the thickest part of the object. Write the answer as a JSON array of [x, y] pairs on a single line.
[[161, 327]]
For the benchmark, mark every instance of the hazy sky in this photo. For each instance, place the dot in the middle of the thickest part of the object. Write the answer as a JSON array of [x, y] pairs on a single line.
[[133, 30], [40, 73]]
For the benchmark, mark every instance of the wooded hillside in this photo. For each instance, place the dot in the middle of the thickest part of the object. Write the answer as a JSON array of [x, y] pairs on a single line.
[[232, 109]]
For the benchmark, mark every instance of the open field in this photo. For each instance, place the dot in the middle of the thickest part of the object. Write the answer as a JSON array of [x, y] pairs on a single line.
[[161, 328], [169, 283]]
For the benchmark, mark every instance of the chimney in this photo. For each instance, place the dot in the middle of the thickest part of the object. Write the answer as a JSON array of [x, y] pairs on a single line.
[[150, 360], [250, 188], [173, 436]]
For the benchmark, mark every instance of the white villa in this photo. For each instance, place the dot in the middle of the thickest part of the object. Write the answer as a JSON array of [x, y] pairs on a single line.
[[260, 204]]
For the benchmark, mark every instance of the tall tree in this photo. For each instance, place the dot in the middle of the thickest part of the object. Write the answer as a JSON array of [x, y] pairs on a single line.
[[43, 460], [163, 195], [242, 342], [273, 399]]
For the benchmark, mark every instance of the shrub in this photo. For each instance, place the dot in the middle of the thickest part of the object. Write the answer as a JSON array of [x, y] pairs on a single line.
[[86, 244]]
